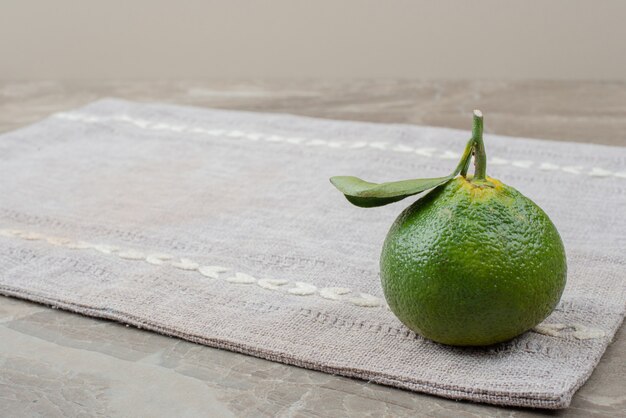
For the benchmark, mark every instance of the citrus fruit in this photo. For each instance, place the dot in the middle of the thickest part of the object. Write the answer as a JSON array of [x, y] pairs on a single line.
[[473, 262]]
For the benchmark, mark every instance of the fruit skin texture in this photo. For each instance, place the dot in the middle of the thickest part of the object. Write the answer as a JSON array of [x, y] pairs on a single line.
[[472, 264]]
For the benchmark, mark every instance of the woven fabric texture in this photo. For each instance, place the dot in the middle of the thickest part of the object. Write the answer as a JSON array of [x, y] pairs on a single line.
[[221, 228]]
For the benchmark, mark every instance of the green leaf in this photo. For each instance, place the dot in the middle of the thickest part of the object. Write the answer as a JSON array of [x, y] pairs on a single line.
[[367, 195]]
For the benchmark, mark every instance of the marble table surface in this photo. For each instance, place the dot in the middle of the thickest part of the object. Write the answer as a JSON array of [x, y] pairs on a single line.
[[54, 363]]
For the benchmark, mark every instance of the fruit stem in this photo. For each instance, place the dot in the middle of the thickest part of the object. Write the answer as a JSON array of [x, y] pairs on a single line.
[[480, 157]]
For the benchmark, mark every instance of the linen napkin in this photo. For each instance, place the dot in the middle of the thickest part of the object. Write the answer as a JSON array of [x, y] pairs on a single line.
[[221, 227]]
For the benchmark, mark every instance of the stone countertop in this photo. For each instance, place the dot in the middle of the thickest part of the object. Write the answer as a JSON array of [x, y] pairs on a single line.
[[54, 363]]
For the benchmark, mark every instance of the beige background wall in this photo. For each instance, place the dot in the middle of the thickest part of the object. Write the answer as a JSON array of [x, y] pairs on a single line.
[[549, 39]]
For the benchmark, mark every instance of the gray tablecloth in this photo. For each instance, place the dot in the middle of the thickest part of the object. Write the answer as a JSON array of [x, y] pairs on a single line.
[[222, 228]]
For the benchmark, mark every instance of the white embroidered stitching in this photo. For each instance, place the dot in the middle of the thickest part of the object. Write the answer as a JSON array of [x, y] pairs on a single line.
[[366, 300], [212, 271], [254, 136], [242, 278], [186, 264], [298, 288], [578, 331], [158, 259], [334, 293], [273, 284], [129, 254], [303, 289]]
